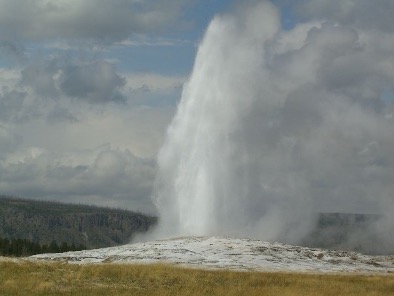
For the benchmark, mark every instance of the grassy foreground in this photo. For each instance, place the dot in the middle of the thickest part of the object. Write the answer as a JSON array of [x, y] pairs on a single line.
[[110, 279]]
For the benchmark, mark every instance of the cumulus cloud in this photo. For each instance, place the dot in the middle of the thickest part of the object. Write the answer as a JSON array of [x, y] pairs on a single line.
[[60, 114], [13, 50], [62, 94], [9, 141], [92, 19], [34, 95], [104, 176], [12, 106], [52, 114], [41, 77], [151, 89], [90, 81], [15, 104], [46, 150], [364, 14], [96, 82], [154, 82]]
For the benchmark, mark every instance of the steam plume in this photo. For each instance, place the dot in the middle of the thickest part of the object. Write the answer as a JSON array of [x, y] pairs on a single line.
[[276, 126]]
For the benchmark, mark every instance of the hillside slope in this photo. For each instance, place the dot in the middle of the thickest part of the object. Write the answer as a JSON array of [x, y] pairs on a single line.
[[94, 227]]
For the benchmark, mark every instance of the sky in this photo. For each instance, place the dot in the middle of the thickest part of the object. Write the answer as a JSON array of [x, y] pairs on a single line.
[[88, 88]]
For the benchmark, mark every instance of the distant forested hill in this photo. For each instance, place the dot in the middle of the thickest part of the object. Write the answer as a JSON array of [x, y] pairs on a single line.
[[43, 222], [346, 231]]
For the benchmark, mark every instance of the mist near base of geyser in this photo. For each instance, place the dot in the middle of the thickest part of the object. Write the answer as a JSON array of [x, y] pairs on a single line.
[[276, 126]]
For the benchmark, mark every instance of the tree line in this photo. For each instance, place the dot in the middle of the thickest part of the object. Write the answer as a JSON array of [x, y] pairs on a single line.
[[94, 227], [23, 247]]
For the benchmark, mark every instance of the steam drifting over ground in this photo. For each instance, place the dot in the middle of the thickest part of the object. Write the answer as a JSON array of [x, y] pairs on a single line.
[[275, 126]]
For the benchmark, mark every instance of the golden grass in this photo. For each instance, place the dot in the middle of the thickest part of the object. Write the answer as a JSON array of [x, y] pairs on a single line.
[[27, 278]]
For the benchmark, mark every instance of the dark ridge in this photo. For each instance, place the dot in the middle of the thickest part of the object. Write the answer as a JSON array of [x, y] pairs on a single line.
[[43, 222], [347, 231]]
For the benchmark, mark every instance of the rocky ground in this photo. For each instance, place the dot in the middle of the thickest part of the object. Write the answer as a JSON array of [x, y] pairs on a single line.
[[230, 253]]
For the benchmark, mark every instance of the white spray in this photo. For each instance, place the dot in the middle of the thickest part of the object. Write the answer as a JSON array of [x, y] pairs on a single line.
[[266, 135], [208, 183]]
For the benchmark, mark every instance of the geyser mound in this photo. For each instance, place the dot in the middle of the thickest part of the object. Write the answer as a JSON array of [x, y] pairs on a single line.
[[274, 127]]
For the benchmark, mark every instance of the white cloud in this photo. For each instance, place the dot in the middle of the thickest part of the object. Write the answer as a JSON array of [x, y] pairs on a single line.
[[92, 19], [12, 50], [94, 81], [105, 174], [48, 134], [104, 158], [153, 82], [8, 78], [363, 14], [147, 40]]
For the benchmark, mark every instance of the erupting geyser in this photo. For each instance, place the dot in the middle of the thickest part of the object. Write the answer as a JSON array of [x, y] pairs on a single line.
[[273, 127], [208, 181]]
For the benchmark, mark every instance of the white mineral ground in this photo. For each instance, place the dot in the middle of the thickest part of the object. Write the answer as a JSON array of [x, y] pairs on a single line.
[[232, 254]]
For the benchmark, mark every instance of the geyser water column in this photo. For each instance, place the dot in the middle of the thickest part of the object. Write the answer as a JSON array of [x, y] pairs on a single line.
[[275, 126], [204, 182]]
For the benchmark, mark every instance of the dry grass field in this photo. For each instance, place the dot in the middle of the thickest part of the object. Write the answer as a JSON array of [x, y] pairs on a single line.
[[28, 278]]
